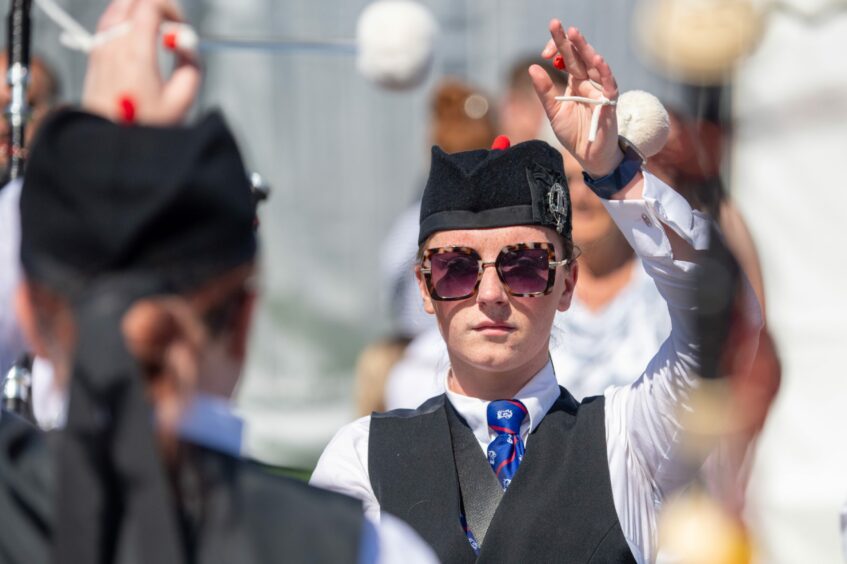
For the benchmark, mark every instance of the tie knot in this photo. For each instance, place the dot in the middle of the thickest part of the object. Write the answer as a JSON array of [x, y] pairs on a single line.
[[506, 416]]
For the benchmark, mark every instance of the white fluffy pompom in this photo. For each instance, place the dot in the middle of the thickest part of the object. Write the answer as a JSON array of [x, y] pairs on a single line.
[[394, 39], [643, 120]]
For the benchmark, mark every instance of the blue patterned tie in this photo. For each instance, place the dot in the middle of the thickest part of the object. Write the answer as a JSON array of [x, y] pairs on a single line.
[[506, 451]]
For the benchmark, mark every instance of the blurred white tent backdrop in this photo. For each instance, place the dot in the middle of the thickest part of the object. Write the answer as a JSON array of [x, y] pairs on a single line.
[[343, 158], [789, 147]]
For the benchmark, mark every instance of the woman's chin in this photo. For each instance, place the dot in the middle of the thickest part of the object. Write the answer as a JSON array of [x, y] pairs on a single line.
[[498, 364]]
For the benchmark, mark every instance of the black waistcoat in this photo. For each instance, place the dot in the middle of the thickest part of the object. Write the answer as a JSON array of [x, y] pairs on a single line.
[[558, 508], [239, 511], [232, 510]]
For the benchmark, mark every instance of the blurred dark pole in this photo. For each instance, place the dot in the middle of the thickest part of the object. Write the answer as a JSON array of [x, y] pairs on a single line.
[[17, 386], [710, 102], [18, 32], [718, 305]]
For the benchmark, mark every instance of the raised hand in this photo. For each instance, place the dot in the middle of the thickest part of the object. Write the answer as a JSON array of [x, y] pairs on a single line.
[[589, 77], [126, 67]]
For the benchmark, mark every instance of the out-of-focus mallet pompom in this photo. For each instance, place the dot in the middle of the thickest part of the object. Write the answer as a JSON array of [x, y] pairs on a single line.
[[643, 120], [698, 42], [395, 43], [695, 529]]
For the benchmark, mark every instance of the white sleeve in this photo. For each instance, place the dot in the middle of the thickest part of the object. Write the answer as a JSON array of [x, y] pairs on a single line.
[[343, 466], [642, 429]]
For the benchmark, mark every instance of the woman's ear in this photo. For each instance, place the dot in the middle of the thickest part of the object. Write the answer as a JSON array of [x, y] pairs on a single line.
[[427, 300], [571, 274]]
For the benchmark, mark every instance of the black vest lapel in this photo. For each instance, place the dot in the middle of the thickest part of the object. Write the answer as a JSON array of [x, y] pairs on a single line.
[[559, 505], [480, 489], [410, 461]]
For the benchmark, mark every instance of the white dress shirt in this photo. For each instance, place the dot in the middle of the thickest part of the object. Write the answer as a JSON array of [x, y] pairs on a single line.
[[643, 432]]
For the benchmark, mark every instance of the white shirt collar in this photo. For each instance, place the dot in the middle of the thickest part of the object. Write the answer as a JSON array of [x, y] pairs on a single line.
[[538, 395]]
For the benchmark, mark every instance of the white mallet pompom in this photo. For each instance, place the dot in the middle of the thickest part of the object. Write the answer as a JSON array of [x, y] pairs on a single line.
[[395, 43], [643, 120]]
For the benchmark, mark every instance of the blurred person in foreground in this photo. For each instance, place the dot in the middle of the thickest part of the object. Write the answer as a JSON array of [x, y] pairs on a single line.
[[42, 94], [138, 248], [691, 161], [617, 318], [507, 466]]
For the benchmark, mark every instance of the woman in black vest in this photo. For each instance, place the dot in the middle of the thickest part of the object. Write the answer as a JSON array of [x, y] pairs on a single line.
[[506, 466]]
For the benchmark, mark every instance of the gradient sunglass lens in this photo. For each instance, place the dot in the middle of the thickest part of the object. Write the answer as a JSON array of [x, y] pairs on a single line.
[[454, 274], [525, 271]]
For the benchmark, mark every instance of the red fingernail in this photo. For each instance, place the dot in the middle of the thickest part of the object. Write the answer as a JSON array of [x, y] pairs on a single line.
[[169, 41], [126, 109], [559, 62]]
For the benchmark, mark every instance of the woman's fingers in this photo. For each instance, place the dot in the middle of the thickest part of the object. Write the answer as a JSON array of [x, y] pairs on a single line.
[[170, 10], [181, 88], [150, 15], [544, 88], [584, 49], [606, 78], [116, 13], [127, 64], [588, 55], [573, 61], [549, 50], [580, 57]]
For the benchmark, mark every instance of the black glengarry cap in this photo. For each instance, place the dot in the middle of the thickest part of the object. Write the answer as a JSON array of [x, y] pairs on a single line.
[[101, 199], [520, 185]]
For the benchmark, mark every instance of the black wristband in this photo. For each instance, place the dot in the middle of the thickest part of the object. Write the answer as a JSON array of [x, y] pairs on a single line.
[[609, 185]]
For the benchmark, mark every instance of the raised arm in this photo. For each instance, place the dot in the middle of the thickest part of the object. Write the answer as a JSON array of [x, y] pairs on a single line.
[[645, 432], [657, 222]]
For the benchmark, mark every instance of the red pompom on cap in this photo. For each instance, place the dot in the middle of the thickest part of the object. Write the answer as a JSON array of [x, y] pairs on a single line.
[[559, 62], [126, 109], [501, 143]]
